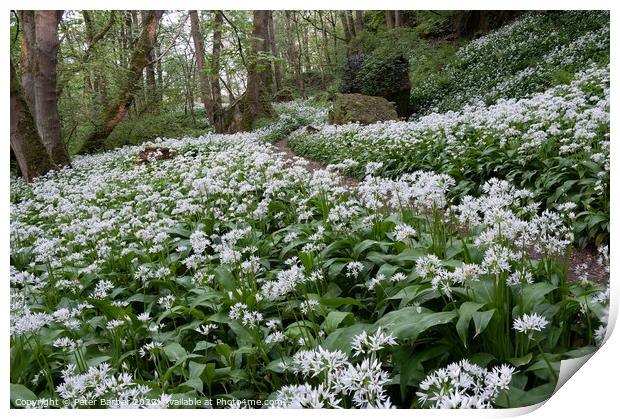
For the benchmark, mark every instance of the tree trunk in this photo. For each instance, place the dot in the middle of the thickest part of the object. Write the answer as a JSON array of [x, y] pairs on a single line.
[[359, 22], [203, 78], [306, 39], [256, 95], [274, 51], [216, 91], [92, 38], [325, 41], [160, 75], [300, 72], [27, 58], [345, 27], [292, 52], [349, 15], [46, 97], [320, 56], [139, 60], [151, 83], [389, 19], [26, 144], [398, 18]]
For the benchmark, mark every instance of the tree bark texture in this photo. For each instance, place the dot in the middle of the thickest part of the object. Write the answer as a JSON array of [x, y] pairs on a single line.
[[257, 94], [216, 91], [277, 74], [45, 80], [29, 151], [203, 79]]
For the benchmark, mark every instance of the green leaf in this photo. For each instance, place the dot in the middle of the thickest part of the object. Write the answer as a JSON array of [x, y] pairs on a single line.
[[524, 360], [340, 301], [334, 318], [195, 383], [225, 278], [359, 248], [276, 364], [175, 352], [195, 369], [387, 270], [481, 320], [534, 294], [409, 255], [21, 393], [466, 310], [93, 362], [209, 374], [409, 322], [516, 397], [481, 358]]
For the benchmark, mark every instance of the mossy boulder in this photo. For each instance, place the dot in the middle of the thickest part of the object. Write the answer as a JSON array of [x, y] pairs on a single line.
[[354, 107], [379, 75], [284, 95]]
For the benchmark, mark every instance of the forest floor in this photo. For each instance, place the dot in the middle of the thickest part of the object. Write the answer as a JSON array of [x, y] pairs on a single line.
[[579, 256]]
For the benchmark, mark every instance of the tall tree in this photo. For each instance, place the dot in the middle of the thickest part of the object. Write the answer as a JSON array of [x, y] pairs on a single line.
[[203, 78], [45, 80], [359, 22], [256, 103], [389, 19], [27, 57], [216, 91], [349, 15], [277, 74], [92, 39], [139, 59], [292, 54], [398, 18], [151, 82], [30, 153], [345, 26]]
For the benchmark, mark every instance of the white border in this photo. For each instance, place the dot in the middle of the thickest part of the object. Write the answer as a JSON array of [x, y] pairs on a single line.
[[591, 392]]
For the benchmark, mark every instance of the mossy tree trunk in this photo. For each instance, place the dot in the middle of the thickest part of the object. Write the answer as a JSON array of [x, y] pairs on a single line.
[[29, 151], [256, 101], [139, 60], [27, 57], [216, 91]]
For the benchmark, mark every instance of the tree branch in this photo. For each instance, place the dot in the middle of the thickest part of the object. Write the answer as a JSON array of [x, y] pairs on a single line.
[[172, 43], [237, 36]]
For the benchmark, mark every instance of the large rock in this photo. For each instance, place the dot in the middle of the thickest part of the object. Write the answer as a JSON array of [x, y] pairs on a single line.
[[385, 75], [353, 107]]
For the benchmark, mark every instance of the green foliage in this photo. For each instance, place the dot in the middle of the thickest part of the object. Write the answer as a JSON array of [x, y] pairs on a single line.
[[504, 141], [193, 277], [148, 126], [530, 55]]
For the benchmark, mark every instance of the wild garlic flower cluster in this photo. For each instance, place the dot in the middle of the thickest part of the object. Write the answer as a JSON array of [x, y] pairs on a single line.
[[464, 385], [363, 343], [247, 317], [421, 190], [114, 391], [508, 217], [339, 380], [430, 267], [530, 323]]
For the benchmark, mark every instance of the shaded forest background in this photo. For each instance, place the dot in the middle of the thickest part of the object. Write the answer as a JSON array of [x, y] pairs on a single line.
[[96, 80]]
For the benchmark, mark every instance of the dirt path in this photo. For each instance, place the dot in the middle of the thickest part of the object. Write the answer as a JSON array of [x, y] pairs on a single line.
[[589, 256], [313, 165]]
